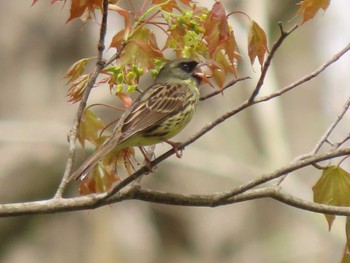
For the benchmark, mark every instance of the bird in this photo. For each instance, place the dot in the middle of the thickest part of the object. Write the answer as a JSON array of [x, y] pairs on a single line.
[[159, 113]]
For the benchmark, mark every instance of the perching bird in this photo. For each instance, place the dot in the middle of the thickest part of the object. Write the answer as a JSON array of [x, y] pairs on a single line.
[[158, 114]]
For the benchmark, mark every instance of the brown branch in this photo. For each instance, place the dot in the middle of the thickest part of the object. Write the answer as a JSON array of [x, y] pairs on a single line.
[[72, 137], [307, 77], [285, 170], [228, 85], [331, 128], [267, 63], [221, 119], [239, 194], [324, 138]]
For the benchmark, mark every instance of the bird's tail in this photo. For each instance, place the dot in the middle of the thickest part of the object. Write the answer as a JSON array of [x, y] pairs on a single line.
[[90, 162]]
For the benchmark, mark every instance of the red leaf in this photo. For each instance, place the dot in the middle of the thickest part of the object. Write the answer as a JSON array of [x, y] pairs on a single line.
[[126, 14], [76, 69], [77, 88], [80, 7], [216, 27], [125, 99]]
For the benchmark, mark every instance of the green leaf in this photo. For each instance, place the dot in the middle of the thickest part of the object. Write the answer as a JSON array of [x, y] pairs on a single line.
[[89, 128], [257, 43], [333, 188]]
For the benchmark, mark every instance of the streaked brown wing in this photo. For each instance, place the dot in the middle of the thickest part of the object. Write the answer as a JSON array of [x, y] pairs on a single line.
[[153, 106]]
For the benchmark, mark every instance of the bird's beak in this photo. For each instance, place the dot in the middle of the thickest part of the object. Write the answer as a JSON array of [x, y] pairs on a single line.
[[198, 74]]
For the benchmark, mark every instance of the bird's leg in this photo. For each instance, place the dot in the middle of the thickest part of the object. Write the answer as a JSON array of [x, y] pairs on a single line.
[[147, 159], [175, 146]]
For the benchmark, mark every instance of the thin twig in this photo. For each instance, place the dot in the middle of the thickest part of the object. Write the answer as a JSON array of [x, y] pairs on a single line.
[[73, 133], [306, 78], [282, 171], [338, 144], [332, 127], [228, 85], [303, 80], [267, 63], [221, 119]]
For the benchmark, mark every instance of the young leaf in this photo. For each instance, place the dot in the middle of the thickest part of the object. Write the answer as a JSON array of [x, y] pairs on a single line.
[[125, 99], [257, 42], [76, 69], [80, 7], [99, 180], [77, 88], [104, 175], [216, 27], [309, 8], [346, 258], [89, 128], [127, 20], [347, 231], [141, 48], [333, 188], [220, 39]]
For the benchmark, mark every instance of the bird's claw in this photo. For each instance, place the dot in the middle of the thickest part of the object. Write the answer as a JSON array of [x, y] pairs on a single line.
[[176, 146]]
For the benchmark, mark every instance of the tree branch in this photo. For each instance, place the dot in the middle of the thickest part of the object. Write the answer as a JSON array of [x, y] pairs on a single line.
[[221, 119], [307, 77], [332, 127], [228, 85], [72, 137], [267, 63], [238, 194]]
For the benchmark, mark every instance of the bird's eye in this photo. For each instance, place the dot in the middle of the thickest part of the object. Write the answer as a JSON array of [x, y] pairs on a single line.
[[188, 66]]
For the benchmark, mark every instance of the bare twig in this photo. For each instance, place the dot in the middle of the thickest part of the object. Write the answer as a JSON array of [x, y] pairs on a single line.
[[228, 85], [338, 144], [280, 172], [303, 80], [267, 63], [332, 127], [221, 119], [72, 137], [307, 77]]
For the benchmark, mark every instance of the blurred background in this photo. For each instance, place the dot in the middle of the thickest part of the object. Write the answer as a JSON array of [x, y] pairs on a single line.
[[37, 49]]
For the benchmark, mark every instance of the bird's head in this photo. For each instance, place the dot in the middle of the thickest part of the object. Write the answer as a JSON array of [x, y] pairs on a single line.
[[183, 69]]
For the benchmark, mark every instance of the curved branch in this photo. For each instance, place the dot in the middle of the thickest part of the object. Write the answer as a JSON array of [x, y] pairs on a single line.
[[285, 170], [228, 85], [224, 117], [307, 77], [332, 127], [267, 63], [238, 194]]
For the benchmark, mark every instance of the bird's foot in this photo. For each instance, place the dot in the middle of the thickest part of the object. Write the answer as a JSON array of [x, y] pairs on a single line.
[[175, 146], [147, 160]]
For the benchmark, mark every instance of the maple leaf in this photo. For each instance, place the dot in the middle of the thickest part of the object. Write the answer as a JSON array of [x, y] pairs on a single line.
[[220, 40], [333, 188], [257, 42], [127, 19], [76, 69], [141, 48], [77, 88], [89, 128], [125, 99], [104, 174], [216, 27], [79, 8], [309, 8]]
